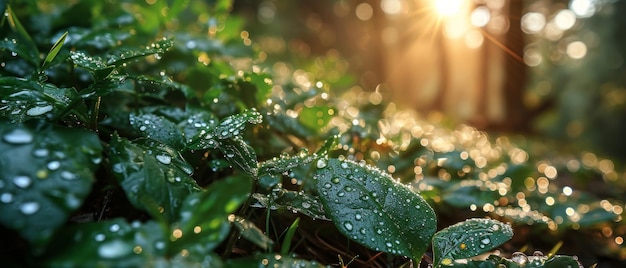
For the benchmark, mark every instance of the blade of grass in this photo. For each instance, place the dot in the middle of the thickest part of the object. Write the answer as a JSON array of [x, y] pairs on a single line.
[[54, 51], [284, 250]]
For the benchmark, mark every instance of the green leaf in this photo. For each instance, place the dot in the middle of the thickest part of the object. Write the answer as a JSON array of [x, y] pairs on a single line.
[[32, 53], [157, 128], [113, 243], [272, 260], [118, 58], [54, 51], [153, 176], [328, 146], [94, 64], [230, 127], [45, 174], [369, 207], [203, 221], [251, 232], [468, 239], [239, 153], [292, 201], [284, 163], [25, 99], [316, 118]]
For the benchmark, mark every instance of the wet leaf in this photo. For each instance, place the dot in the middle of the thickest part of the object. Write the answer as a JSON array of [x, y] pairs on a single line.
[[469, 238], [54, 51], [231, 126], [26, 99], [154, 176], [94, 64], [251, 232], [285, 163], [272, 260], [157, 128], [45, 174], [301, 202], [240, 154], [113, 243], [369, 207], [118, 58], [203, 220]]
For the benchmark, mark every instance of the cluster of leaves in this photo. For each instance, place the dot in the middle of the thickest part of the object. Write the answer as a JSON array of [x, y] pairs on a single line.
[[119, 150]]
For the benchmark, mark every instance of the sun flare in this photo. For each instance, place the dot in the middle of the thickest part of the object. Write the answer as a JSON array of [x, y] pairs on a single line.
[[448, 8]]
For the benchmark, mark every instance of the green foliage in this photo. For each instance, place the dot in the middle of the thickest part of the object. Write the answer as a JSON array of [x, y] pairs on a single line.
[[114, 153]]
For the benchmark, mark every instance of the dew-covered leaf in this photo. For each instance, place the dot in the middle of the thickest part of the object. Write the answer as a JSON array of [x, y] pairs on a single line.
[[292, 201], [160, 87], [328, 146], [117, 58], [469, 238], [240, 154], [113, 243], [45, 174], [230, 127], [272, 260], [203, 220], [157, 128], [25, 99], [369, 207], [284, 163], [154, 177], [54, 51], [94, 64], [251, 232]]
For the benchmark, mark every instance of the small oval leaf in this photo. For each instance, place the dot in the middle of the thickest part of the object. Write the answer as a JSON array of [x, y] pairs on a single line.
[[369, 207], [468, 239]]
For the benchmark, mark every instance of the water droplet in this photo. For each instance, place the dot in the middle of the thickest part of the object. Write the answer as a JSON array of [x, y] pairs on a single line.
[[114, 228], [117, 168], [335, 180], [362, 231], [495, 227], [68, 175], [39, 110], [485, 241], [519, 258], [379, 231], [99, 237], [164, 159], [344, 165], [388, 244], [321, 163], [327, 185], [348, 225], [114, 249], [142, 128], [341, 194], [18, 136], [538, 253], [306, 205], [6, 198], [54, 165], [159, 245], [358, 217], [29, 208], [22, 181], [40, 152]]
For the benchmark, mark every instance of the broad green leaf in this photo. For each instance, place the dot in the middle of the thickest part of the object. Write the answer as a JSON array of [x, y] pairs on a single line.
[[118, 58], [25, 99], [24, 39], [328, 146], [241, 154], [469, 238], [54, 51], [113, 243], [160, 87], [369, 207], [157, 128], [272, 260], [251, 232], [203, 220], [153, 176], [45, 174], [291, 201], [231, 126]]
